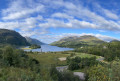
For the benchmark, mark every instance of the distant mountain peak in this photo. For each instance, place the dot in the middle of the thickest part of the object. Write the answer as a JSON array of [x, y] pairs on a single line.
[[75, 41], [115, 40], [34, 41]]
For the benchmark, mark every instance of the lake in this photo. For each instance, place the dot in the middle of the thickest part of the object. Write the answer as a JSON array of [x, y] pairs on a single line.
[[49, 48]]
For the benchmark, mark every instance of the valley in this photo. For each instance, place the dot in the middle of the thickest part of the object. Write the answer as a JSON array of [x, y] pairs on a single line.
[[87, 59], [59, 40]]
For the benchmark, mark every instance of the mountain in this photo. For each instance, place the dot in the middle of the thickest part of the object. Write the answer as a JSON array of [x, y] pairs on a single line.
[[12, 37], [74, 41], [115, 40], [34, 41]]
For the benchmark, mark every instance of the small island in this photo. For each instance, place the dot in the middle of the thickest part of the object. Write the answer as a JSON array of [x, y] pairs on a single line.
[[35, 46]]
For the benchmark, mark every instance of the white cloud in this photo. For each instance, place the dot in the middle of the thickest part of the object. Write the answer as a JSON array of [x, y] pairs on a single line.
[[62, 15], [9, 25], [27, 27], [56, 13], [72, 23], [22, 13], [110, 14], [107, 12], [87, 15], [17, 10], [90, 19]]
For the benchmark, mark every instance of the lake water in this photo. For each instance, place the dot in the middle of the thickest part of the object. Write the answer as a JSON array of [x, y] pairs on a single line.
[[49, 48]]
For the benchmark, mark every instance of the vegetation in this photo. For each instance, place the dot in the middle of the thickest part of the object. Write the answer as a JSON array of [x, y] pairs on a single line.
[[80, 63], [15, 65], [18, 74], [108, 50], [12, 37], [75, 42], [52, 58], [49, 58], [62, 76], [34, 46], [10, 57], [34, 41], [18, 65], [111, 72], [98, 73]]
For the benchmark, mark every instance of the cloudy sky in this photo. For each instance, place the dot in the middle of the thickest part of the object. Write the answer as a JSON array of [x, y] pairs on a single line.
[[50, 20]]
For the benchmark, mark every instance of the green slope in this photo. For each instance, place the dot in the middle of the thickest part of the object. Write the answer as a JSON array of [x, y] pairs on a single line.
[[34, 41], [86, 40], [12, 37]]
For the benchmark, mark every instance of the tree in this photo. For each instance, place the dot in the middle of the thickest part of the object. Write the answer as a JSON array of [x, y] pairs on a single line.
[[98, 73], [8, 56], [114, 71], [35, 46], [73, 66]]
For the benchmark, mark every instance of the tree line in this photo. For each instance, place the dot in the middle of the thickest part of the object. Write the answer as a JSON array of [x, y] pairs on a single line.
[[108, 50]]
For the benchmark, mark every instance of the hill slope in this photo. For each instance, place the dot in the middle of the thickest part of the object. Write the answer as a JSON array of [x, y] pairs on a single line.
[[115, 41], [86, 40], [34, 41], [12, 37]]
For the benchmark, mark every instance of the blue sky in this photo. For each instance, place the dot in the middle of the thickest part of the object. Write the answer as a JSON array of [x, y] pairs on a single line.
[[51, 20]]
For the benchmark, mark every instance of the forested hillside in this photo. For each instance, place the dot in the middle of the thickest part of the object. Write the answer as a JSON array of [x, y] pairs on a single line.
[[12, 37], [110, 51], [34, 41]]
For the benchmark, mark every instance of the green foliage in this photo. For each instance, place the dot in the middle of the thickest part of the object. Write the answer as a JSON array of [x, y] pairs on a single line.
[[80, 63], [108, 50], [98, 73], [18, 58], [73, 66], [62, 76], [110, 72], [35, 46], [49, 58], [54, 73], [114, 71], [18, 74]]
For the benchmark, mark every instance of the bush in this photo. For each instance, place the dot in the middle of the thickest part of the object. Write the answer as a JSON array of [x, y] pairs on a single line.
[[17, 58], [73, 66], [80, 63], [62, 76]]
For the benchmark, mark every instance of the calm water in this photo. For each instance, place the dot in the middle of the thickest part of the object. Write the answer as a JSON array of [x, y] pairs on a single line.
[[49, 48]]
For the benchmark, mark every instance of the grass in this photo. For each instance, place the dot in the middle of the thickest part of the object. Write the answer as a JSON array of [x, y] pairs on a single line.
[[49, 58], [80, 70], [16, 74], [46, 59], [26, 48], [53, 58], [85, 55]]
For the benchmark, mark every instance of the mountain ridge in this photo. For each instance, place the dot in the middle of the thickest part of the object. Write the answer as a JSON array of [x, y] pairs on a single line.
[[75, 41], [12, 37], [34, 41]]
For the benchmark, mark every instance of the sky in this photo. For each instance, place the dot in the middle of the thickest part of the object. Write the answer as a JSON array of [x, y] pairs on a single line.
[[51, 20]]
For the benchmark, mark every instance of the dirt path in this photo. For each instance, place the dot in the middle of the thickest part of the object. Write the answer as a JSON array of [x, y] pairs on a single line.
[[62, 58]]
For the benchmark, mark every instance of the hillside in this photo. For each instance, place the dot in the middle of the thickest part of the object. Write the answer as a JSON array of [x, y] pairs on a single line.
[[12, 37], [34, 41], [86, 40], [115, 41]]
